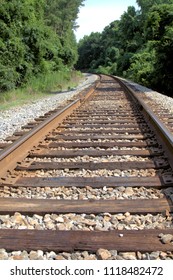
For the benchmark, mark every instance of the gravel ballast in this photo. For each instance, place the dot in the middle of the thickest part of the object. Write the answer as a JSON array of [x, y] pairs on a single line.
[[81, 193], [163, 101], [91, 222], [101, 254], [11, 120]]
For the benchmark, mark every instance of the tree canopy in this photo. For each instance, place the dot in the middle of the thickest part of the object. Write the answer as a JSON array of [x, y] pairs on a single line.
[[139, 46], [36, 37]]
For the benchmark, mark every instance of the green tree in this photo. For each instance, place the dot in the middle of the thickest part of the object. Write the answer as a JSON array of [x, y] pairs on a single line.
[[138, 46], [159, 27], [145, 5], [61, 16], [130, 30], [141, 68], [36, 37], [89, 50]]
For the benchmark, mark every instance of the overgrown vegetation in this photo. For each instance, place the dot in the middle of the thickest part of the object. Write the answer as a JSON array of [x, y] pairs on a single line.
[[139, 46], [40, 87], [36, 40]]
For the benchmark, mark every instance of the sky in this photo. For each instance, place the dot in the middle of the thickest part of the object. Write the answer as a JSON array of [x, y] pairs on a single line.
[[97, 14]]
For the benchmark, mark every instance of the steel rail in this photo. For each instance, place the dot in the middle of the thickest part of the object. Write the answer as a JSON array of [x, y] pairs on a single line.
[[72, 240], [163, 133], [21, 147], [17, 151]]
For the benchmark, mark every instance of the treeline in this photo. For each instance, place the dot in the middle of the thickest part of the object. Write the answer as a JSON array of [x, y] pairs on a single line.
[[36, 36], [139, 46]]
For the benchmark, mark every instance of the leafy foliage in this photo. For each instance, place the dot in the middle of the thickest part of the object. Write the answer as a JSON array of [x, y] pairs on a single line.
[[161, 31], [36, 37], [139, 46]]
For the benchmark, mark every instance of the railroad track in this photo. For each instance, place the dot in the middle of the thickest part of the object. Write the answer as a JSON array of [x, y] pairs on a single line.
[[96, 175]]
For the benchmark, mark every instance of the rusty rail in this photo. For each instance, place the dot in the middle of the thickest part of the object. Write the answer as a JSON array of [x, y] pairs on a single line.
[[70, 240], [14, 153], [163, 133]]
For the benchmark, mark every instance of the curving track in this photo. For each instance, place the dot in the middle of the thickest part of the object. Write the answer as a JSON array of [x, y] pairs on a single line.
[[88, 168]]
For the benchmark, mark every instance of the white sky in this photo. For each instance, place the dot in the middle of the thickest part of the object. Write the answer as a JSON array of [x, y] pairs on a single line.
[[97, 14]]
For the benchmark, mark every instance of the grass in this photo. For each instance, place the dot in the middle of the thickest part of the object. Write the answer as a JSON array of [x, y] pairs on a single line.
[[40, 87]]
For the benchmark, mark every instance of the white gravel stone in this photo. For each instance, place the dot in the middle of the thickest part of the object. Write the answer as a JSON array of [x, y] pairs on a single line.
[[103, 254], [128, 256], [166, 238]]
